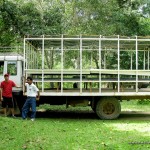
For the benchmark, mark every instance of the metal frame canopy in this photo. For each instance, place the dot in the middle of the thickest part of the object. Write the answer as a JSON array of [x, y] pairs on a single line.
[[108, 41], [94, 59]]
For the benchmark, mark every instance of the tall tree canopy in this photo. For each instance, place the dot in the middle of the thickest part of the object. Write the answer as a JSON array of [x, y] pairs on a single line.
[[106, 17]]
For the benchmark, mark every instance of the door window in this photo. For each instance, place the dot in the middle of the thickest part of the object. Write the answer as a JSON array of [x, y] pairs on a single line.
[[12, 67], [1, 67]]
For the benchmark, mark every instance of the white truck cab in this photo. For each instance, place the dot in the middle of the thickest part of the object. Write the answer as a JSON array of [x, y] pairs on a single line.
[[12, 64]]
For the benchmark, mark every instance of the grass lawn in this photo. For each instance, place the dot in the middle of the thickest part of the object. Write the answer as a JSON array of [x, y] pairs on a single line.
[[59, 131], [133, 105]]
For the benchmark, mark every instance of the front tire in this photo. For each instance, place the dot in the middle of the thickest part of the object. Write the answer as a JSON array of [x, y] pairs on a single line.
[[108, 108]]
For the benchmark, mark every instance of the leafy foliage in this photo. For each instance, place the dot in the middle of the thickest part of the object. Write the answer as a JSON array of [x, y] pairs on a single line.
[[24, 18], [144, 102], [49, 17], [123, 17]]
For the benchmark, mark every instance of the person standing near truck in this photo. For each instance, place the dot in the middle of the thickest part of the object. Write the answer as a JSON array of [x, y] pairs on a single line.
[[6, 94], [32, 94]]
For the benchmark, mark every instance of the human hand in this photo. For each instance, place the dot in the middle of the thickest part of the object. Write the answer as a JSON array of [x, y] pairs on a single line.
[[37, 98]]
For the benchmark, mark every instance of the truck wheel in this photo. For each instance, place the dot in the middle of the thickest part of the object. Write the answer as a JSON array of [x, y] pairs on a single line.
[[108, 108]]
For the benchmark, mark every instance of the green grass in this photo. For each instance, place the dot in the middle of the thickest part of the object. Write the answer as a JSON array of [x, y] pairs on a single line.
[[75, 132], [134, 105]]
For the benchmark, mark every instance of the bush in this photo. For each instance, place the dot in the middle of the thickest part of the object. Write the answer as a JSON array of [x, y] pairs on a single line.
[[143, 102]]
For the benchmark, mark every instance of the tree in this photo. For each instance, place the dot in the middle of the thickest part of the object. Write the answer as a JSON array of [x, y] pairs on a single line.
[[134, 17], [21, 18], [50, 17]]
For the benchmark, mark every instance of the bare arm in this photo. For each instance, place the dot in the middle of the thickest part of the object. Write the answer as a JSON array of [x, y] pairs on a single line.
[[38, 95], [18, 86], [1, 94]]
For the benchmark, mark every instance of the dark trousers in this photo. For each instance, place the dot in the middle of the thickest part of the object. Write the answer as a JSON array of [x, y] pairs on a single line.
[[30, 103]]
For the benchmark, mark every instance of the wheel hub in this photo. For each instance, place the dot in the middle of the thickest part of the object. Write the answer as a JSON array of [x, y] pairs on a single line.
[[108, 108]]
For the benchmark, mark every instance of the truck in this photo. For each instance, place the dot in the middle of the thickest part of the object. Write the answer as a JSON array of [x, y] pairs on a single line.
[[81, 70]]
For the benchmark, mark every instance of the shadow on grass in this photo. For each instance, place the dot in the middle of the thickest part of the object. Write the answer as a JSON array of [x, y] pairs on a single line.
[[90, 115], [135, 115], [87, 114], [66, 114]]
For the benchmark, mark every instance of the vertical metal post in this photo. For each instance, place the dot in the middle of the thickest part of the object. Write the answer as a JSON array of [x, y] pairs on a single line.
[[43, 64], [144, 61], [24, 63], [32, 60], [148, 61], [30, 57], [100, 49], [35, 55], [91, 61], [62, 62], [24, 53], [136, 48], [131, 61], [80, 64], [118, 64], [105, 59]]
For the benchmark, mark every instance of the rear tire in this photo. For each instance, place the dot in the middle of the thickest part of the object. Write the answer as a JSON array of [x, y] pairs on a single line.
[[108, 108]]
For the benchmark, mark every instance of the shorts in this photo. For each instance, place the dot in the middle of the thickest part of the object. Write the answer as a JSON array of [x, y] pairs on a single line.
[[7, 101]]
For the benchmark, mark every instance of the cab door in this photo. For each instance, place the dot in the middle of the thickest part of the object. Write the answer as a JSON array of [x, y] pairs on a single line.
[[14, 68], [2, 70]]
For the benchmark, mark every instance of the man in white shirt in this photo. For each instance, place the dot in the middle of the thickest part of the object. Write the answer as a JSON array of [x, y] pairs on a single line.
[[32, 94]]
